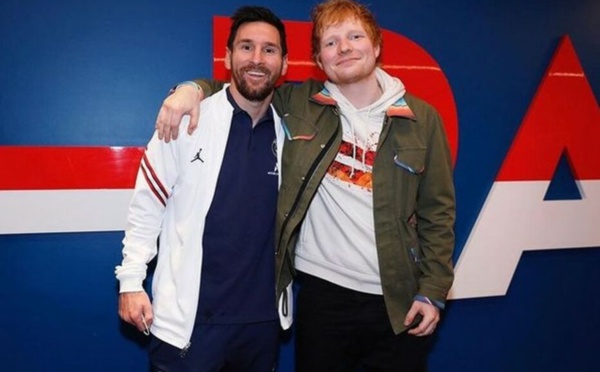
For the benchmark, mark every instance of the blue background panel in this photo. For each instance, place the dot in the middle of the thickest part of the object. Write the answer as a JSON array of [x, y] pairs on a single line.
[[89, 73]]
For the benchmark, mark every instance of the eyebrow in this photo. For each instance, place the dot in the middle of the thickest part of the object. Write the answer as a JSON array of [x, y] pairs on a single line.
[[252, 41]]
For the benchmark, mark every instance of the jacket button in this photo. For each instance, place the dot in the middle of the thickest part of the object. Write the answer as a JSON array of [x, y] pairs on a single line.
[[303, 178], [322, 145]]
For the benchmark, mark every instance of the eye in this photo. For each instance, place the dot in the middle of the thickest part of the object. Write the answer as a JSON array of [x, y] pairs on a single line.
[[271, 50], [245, 47], [329, 43]]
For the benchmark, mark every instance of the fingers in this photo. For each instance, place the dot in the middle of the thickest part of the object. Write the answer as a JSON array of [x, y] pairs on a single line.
[[147, 315], [194, 118], [167, 121], [425, 328], [147, 319], [184, 101], [161, 126], [173, 124], [135, 309], [430, 318]]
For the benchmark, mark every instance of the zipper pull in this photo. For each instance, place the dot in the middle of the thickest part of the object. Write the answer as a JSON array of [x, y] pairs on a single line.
[[146, 328], [416, 258], [185, 350]]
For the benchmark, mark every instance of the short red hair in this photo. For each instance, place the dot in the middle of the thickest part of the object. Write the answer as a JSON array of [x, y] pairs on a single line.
[[332, 12]]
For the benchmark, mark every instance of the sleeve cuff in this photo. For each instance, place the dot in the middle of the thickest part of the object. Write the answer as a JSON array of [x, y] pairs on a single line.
[[189, 82], [439, 304]]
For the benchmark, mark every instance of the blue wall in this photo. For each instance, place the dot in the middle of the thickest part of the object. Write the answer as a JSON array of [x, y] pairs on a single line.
[[95, 72]]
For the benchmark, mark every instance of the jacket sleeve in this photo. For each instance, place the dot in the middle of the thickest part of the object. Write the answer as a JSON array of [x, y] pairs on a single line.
[[155, 179], [297, 95], [436, 214], [209, 87]]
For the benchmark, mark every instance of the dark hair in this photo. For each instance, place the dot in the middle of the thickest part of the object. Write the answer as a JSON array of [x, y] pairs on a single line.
[[248, 14]]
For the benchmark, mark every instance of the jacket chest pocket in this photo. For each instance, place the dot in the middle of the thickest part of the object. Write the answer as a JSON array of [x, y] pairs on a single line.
[[409, 166], [410, 159]]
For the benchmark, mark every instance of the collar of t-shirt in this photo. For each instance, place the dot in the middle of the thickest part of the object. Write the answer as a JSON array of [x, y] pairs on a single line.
[[237, 110]]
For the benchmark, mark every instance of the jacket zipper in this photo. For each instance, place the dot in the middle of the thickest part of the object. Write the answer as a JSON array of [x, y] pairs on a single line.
[[304, 185], [185, 350]]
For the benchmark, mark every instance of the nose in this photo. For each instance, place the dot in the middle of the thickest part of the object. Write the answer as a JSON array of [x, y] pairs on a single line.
[[257, 56], [345, 47]]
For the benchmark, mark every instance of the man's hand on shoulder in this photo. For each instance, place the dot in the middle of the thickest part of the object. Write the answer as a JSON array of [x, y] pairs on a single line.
[[184, 100]]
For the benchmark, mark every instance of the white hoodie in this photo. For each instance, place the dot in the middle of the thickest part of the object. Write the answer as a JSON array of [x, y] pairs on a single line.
[[337, 239]]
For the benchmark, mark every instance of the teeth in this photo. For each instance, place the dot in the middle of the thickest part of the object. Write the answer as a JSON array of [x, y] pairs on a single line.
[[256, 73]]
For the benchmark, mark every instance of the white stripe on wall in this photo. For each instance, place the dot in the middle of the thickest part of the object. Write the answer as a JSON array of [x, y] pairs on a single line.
[[49, 211]]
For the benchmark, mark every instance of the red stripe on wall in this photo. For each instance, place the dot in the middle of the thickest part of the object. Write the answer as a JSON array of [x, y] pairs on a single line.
[[53, 168]]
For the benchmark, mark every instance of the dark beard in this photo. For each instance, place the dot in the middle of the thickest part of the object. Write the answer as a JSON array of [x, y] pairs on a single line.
[[258, 94]]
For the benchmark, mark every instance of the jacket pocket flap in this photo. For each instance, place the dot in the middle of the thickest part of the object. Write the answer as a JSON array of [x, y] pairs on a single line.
[[297, 128], [411, 160]]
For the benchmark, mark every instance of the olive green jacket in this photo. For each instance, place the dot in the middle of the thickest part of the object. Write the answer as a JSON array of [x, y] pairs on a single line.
[[413, 191]]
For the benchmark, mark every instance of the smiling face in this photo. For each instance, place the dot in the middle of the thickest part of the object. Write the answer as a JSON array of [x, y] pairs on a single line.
[[256, 60], [346, 53]]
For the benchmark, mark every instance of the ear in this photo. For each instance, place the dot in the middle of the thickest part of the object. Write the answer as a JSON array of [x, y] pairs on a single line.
[[318, 61], [377, 51], [284, 66], [227, 59]]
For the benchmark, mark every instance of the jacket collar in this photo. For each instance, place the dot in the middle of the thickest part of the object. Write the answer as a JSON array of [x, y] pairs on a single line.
[[399, 108]]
